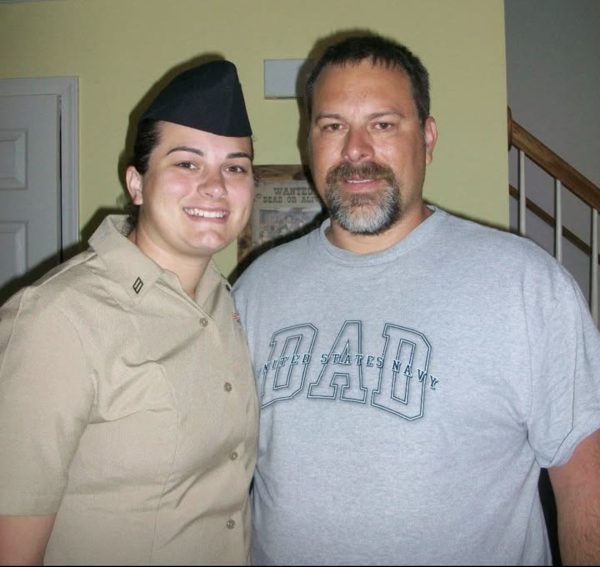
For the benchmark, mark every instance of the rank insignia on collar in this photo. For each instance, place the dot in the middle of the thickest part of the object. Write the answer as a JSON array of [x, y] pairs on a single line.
[[138, 284]]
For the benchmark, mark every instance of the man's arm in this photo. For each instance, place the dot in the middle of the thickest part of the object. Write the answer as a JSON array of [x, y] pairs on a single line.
[[576, 487], [23, 539]]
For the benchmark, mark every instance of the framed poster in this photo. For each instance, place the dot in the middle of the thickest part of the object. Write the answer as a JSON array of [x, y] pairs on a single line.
[[285, 207]]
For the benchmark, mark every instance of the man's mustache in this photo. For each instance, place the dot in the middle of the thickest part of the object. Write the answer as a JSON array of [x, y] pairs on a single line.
[[367, 170]]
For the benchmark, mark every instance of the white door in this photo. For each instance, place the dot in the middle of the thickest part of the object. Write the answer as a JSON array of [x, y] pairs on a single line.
[[33, 207], [29, 184]]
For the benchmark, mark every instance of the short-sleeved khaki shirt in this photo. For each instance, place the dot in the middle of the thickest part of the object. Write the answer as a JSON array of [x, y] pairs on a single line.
[[129, 410]]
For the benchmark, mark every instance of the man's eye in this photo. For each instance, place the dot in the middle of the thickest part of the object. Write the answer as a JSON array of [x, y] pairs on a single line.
[[384, 125], [333, 127]]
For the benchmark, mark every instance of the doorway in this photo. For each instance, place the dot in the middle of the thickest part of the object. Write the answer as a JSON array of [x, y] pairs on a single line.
[[39, 205]]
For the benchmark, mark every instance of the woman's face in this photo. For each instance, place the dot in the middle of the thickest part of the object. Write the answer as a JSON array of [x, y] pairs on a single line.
[[195, 197]]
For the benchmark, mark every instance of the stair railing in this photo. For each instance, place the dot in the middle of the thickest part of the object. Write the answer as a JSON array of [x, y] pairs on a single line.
[[565, 177]]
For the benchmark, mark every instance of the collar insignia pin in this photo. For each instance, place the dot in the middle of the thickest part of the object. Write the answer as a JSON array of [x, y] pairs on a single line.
[[138, 284]]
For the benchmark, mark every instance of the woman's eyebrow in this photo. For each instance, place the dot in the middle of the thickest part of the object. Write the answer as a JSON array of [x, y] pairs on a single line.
[[186, 149]]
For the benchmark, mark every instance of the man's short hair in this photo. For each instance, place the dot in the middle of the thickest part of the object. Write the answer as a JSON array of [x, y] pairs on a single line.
[[381, 51]]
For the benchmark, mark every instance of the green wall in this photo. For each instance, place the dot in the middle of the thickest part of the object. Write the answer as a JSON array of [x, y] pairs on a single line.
[[120, 48]]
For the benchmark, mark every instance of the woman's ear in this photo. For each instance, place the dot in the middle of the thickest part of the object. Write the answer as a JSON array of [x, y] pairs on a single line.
[[134, 182]]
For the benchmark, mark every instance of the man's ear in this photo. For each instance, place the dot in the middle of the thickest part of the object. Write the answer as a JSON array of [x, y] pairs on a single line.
[[431, 136], [134, 182]]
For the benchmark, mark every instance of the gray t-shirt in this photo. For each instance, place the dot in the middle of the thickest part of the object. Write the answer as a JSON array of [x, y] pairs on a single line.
[[409, 397]]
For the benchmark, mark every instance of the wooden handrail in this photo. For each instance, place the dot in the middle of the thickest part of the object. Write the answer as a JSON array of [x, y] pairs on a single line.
[[552, 163]]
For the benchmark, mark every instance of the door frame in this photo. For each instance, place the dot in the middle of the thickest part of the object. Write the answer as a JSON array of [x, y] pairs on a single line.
[[67, 90]]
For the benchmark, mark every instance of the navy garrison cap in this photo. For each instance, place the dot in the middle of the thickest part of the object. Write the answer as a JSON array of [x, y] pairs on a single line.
[[207, 97]]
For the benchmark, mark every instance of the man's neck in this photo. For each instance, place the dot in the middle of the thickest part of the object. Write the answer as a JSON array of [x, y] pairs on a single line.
[[369, 243]]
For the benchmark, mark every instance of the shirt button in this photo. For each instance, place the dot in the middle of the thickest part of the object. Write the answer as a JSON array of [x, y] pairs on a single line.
[[204, 321], [230, 524], [228, 387], [234, 456]]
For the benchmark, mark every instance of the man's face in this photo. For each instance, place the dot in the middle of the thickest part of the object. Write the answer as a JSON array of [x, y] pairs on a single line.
[[368, 149], [196, 195]]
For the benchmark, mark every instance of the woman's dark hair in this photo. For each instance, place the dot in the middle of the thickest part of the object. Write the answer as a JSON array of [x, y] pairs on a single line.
[[379, 50], [147, 138]]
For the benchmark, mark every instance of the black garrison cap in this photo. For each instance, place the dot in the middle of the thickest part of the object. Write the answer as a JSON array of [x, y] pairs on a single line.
[[208, 97]]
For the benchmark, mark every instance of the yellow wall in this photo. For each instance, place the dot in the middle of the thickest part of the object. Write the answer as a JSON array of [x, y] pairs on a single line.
[[119, 48]]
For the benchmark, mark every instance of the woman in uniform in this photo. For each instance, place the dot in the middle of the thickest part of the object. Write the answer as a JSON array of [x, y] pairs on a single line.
[[128, 415]]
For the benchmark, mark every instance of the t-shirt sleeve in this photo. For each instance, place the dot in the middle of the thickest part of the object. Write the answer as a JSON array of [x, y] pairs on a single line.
[[565, 370], [46, 392]]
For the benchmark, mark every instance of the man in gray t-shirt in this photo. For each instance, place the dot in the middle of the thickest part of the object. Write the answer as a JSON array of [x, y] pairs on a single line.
[[415, 370]]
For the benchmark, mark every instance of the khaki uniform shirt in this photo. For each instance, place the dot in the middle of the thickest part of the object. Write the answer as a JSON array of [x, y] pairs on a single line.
[[129, 410]]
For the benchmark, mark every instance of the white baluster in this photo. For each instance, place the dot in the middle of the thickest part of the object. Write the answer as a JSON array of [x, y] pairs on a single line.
[[522, 197], [594, 267], [558, 220]]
